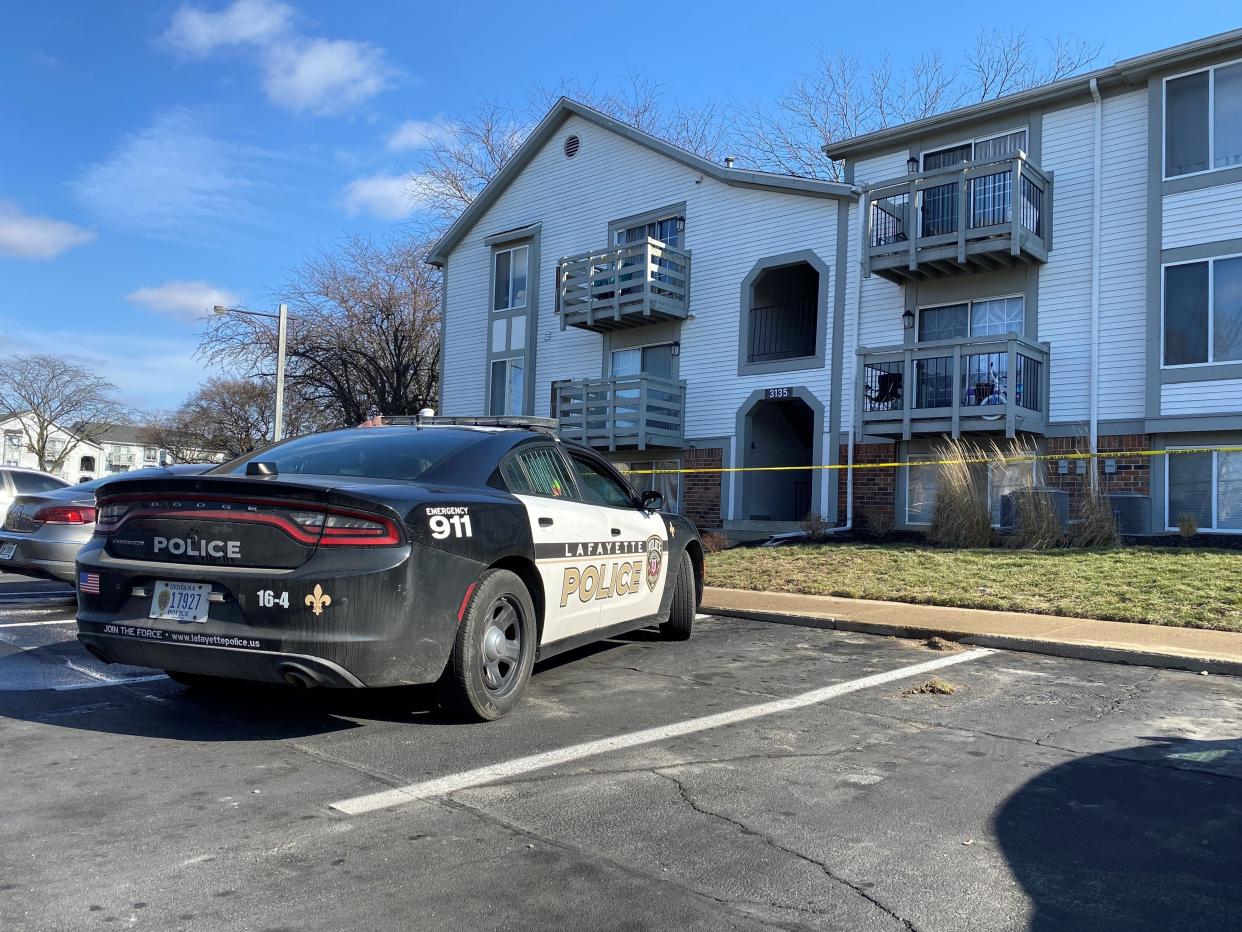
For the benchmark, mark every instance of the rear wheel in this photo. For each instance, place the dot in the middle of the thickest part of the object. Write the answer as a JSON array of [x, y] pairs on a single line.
[[681, 613], [494, 651]]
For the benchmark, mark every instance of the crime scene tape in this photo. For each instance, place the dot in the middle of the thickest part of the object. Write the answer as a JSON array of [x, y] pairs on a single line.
[[1025, 458]]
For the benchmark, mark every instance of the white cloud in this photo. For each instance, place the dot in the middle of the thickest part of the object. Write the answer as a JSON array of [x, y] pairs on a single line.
[[324, 76], [183, 300], [387, 197], [419, 134], [305, 74], [173, 179], [25, 237], [245, 22]]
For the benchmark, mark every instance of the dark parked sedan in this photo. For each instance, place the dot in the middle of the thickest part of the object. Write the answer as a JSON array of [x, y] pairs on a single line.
[[43, 532]]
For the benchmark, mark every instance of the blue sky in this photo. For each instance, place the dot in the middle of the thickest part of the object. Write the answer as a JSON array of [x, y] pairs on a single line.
[[160, 157]]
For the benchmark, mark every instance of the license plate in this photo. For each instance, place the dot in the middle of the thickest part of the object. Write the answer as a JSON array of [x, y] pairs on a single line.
[[7, 551], [179, 601]]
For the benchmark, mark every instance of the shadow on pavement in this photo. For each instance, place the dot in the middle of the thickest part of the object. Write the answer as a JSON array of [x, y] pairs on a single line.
[[1153, 841]]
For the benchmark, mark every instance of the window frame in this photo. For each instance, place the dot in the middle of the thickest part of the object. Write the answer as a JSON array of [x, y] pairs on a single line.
[[508, 361], [572, 493], [970, 304], [496, 254], [1211, 313], [1168, 518], [607, 470], [973, 142], [1211, 122]]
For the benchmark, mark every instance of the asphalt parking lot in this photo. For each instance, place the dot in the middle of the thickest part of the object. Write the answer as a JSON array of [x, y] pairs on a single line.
[[1042, 794]]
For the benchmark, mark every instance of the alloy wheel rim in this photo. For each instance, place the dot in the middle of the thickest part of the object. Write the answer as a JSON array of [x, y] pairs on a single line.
[[501, 655]]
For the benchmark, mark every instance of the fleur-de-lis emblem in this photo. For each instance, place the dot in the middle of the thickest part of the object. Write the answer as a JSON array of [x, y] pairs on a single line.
[[318, 600]]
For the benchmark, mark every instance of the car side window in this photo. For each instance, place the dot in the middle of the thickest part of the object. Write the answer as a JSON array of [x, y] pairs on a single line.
[[538, 472], [28, 483], [599, 488]]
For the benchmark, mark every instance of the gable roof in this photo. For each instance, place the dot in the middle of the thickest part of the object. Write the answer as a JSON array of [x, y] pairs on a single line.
[[1128, 72], [561, 111]]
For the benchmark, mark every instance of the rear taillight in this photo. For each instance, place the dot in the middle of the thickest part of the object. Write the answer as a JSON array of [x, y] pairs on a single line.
[[65, 514], [109, 517]]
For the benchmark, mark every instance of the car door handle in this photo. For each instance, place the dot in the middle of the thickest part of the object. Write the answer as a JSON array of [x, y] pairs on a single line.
[[616, 532], [545, 522]]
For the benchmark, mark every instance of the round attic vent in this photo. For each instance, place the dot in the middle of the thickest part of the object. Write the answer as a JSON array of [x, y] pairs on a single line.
[[572, 144]]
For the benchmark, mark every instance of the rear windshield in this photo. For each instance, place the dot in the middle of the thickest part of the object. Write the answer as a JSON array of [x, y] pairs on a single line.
[[369, 453]]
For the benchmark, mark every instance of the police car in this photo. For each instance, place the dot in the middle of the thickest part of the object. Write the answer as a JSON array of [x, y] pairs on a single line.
[[449, 550]]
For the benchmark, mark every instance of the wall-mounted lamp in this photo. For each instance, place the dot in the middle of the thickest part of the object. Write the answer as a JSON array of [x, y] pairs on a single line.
[[907, 319], [677, 347], [912, 164]]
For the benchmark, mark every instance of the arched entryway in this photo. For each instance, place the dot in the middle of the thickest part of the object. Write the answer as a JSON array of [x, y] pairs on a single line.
[[782, 427]]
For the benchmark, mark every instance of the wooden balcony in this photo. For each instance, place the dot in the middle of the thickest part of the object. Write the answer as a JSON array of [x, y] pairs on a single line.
[[975, 216], [625, 286], [634, 412], [984, 384]]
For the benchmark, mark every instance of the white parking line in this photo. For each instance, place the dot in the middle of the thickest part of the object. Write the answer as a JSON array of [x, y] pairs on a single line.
[[33, 624], [443, 786], [106, 683]]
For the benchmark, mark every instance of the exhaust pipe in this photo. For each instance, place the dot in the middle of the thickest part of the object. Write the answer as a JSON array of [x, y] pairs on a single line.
[[298, 676]]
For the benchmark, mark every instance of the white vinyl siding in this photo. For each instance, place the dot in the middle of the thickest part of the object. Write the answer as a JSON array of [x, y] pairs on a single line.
[[1206, 215], [1208, 397], [727, 230]]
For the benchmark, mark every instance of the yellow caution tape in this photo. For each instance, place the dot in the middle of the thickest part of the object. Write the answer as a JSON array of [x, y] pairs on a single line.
[[1035, 458]]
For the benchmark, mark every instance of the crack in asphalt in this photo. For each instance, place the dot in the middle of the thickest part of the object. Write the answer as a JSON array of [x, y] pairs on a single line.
[[776, 845], [1132, 691], [689, 679]]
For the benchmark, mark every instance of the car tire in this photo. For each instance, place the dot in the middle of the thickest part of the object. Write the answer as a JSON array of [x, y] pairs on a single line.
[[681, 614], [197, 680], [494, 652]]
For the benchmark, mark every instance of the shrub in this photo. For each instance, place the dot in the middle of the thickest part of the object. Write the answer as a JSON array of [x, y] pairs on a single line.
[[1097, 525], [879, 524], [815, 527], [713, 542], [961, 517], [1187, 525], [1037, 526]]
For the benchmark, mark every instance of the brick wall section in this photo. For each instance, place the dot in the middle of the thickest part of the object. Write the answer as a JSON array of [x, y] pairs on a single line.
[[875, 490], [1133, 473], [700, 491]]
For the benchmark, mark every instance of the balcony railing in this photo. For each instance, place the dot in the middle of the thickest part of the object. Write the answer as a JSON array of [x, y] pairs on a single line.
[[638, 411], [970, 217], [625, 286], [950, 386], [782, 331]]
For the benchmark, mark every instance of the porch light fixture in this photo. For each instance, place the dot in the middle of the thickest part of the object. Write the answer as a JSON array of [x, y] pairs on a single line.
[[677, 347], [907, 319], [912, 164]]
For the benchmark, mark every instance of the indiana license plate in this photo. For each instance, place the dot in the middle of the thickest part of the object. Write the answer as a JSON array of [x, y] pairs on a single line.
[[179, 601]]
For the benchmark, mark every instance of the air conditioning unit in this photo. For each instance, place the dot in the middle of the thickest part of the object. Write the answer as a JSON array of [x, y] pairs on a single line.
[[1011, 505], [1131, 511]]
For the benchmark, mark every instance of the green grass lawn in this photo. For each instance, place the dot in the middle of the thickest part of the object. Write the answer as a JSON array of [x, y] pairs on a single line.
[[1154, 585]]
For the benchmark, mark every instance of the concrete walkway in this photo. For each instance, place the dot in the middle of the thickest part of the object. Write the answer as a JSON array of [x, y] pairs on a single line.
[[1084, 638]]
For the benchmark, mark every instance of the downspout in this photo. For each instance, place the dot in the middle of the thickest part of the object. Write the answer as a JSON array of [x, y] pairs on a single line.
[[1096, 195], [853, 348]]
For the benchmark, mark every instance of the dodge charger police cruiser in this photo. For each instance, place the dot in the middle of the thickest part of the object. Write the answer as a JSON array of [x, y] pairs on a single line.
[[449, 550]]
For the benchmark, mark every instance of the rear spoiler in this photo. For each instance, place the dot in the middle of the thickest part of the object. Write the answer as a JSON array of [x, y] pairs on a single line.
[[543, 425]]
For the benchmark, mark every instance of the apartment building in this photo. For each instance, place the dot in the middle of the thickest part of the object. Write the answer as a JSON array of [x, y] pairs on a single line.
[[1060, 267], [95, 451]]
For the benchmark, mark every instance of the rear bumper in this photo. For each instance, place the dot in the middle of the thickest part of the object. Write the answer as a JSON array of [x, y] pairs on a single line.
[[50, 559], [386, 617], [111, 644]]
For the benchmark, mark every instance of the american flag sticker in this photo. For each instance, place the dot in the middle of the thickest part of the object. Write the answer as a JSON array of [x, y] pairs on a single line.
[[88, 582]]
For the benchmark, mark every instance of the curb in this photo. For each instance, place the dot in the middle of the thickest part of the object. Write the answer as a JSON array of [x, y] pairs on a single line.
[[1096, 652]]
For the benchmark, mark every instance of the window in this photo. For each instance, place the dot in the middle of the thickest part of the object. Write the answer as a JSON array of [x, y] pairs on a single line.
[[538, 472], [511, 274], [989, 198], [149, 454], [656, 360], [984, 318], [921, 485], [1206, 487], [390, 453], [508, 386], [30, 483], [599, 488], [1203, 312], [657, 476], [1203, 121], [667, 230], [12, 447]]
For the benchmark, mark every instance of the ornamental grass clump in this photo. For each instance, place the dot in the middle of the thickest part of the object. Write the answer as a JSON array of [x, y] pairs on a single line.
[[961, 516]]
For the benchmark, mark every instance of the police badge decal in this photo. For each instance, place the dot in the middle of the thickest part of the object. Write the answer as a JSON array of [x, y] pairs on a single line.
[[655, 559]]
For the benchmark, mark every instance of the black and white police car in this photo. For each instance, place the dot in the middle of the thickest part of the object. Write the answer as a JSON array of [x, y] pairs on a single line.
[[450, 550]]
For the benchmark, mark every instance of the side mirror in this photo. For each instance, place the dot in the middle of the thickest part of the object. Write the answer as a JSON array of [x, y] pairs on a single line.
[[653, 500]]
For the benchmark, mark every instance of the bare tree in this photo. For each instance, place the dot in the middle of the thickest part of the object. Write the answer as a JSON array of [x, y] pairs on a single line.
[[454, 169], [228, 416], [365, 338], [845, 97], [48, 396]]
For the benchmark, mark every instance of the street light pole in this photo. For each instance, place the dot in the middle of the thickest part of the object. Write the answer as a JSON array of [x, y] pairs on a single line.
[[282, 322], [282, 326]]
